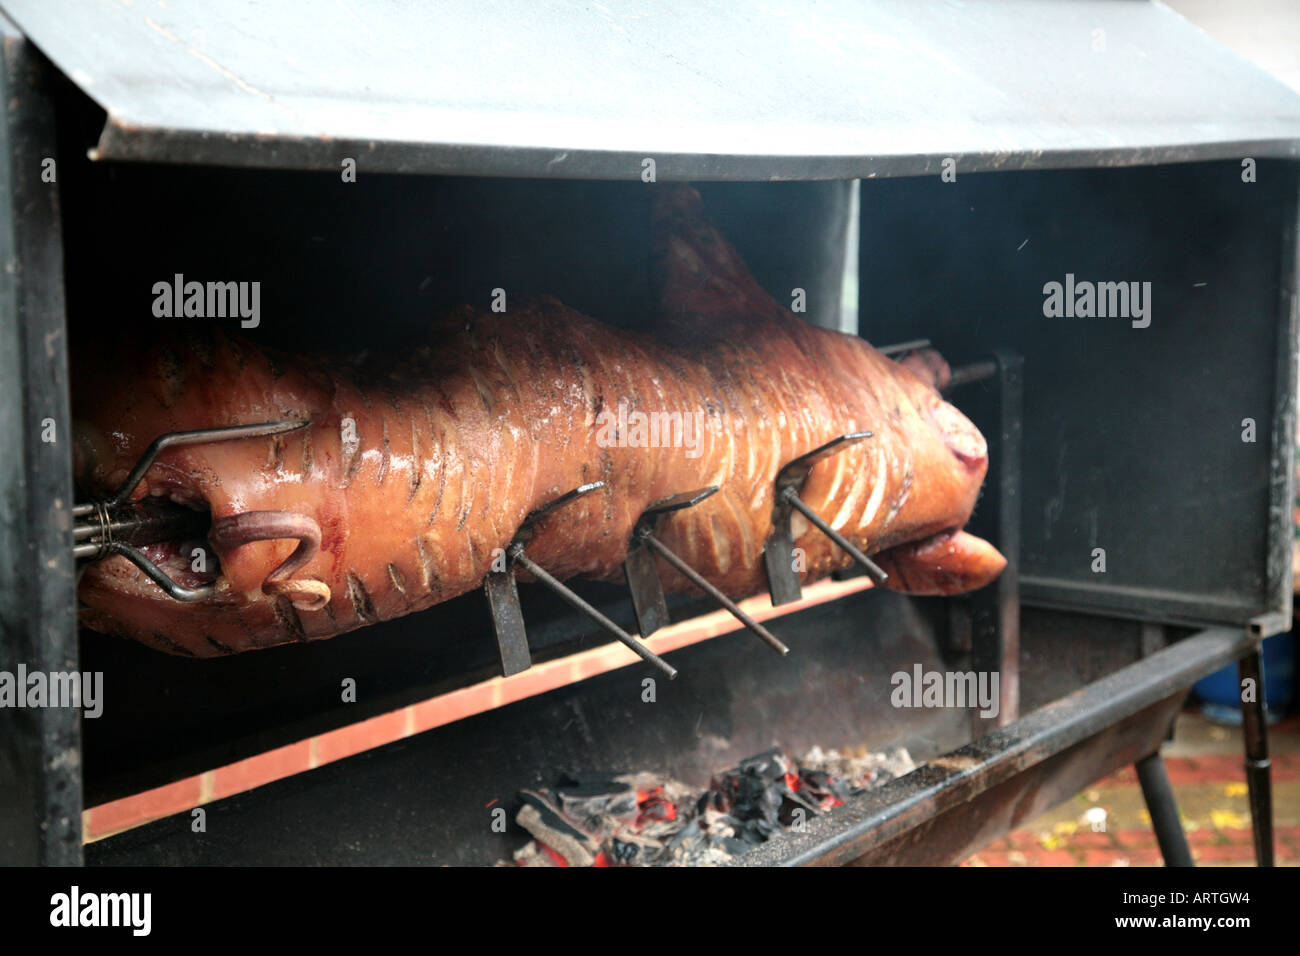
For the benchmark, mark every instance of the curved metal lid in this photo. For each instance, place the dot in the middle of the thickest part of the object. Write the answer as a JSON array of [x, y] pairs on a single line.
[[793, 90]]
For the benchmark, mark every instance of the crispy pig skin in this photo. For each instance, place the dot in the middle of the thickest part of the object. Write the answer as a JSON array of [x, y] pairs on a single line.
[[418, 467]]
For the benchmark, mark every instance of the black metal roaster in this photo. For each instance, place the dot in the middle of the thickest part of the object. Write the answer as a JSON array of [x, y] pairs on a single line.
[[1148, 540]]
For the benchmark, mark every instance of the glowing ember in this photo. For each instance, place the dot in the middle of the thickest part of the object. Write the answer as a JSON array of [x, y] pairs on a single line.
[[646, 820]]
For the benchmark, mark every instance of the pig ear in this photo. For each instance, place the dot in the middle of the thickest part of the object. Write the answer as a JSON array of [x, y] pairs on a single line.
[[703, 285], [948, 563], [929, 366]]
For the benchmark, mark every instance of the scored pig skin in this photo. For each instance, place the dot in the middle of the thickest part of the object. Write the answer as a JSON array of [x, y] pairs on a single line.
[[419, 467]]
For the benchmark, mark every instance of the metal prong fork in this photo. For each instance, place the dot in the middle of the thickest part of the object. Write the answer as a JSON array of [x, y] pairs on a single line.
[[106, 527]]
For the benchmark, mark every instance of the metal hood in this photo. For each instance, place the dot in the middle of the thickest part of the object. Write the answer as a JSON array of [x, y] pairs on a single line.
[[794, 90]]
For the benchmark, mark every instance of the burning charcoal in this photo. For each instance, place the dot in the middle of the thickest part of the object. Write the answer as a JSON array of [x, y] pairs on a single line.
[[768, 766], [592, 786], [708, 800], [819, 780], [534, 855], [754, 790], [756, 831], [717, 823], [645, 819], [686, 838], [655, 808], [540, 818], [794, 801], [818, 790], [626, 845], [841, 790], [591, 798], [661, 830], [646, 839], [733, 846], [624, 853]]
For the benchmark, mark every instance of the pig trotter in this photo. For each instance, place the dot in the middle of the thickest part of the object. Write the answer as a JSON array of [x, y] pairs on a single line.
[[234, 531]]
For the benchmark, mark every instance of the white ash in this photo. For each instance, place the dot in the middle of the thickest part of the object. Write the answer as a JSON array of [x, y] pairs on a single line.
[[865, 769]]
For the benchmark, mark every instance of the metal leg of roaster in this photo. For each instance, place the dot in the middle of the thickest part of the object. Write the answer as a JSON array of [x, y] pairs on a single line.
[[1162, 806], [1258, 776], [995, 609]]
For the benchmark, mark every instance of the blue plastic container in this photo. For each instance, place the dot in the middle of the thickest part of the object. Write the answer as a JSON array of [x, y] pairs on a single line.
[[1220, 692]]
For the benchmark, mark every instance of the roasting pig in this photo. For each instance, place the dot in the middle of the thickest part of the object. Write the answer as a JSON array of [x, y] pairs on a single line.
[[416, 469]]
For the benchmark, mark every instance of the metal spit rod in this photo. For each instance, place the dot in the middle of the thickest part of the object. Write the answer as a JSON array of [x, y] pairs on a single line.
[[783, 582], [901, 347], [874, 571], [700, 582], [974, 372], [574, 601], [117, 526], [643, 576], [962, 375]]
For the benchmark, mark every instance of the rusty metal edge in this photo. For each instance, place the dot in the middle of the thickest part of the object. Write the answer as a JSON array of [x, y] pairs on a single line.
[[866, 822], [967, 828], [125, 141]]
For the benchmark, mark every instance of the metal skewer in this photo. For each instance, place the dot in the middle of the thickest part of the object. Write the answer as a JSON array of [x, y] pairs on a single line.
[[874, 571], [974, 372], [503, 596], [782, 580], [199, 436], [643, 577], [900, 347], [647, 655], [699, 581], [962, 375]]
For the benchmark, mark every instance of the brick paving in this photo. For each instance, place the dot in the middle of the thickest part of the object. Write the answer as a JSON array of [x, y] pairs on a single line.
[[1204, 762]]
